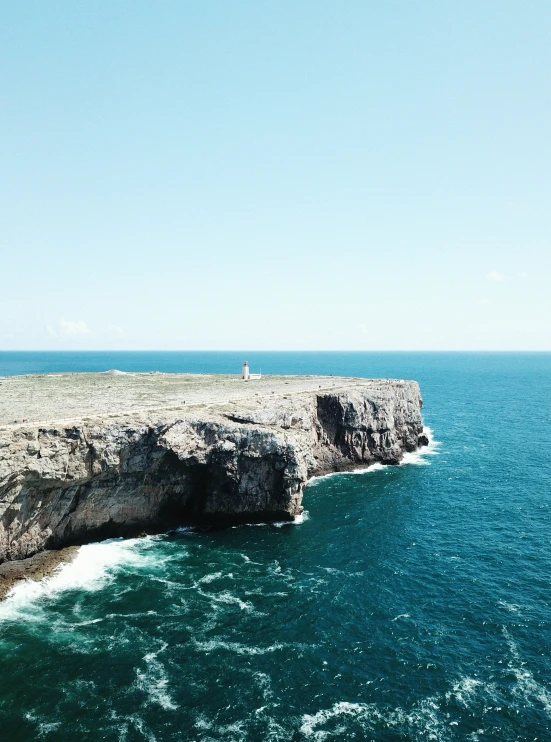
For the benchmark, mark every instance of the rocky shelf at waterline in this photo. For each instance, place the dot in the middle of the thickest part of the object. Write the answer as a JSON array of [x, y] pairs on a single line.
[[94, 456], [33, 568]]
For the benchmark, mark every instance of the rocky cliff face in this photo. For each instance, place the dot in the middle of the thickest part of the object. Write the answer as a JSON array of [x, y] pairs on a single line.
[[243, 461]]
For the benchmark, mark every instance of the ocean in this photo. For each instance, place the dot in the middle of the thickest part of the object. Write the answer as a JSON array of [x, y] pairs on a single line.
[[411, 602]]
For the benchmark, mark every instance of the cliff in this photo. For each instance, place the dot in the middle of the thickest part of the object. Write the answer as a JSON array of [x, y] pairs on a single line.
[[143, 452]]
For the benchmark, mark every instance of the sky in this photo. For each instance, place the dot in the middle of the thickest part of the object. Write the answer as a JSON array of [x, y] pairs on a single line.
[[290, 174]]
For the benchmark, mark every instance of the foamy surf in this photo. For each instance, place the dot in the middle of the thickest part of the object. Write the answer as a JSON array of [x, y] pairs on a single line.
[[424, 721], [154, 681], [363, 470], [94, 566], [431, 718], [97, 564], [215, 645], [527, 688], [416, 458], [296, 521]]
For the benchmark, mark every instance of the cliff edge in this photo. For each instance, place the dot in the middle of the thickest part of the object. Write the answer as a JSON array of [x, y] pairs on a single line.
[[91, 456]]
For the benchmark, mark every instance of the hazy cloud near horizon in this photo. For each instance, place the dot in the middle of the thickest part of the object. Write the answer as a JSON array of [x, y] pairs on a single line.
[[276, 176]]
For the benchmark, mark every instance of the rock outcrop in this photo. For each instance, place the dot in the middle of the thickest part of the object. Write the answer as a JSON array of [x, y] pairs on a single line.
[[242, 461]]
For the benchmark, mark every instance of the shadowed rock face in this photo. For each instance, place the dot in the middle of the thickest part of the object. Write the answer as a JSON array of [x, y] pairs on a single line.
[[243, 461]]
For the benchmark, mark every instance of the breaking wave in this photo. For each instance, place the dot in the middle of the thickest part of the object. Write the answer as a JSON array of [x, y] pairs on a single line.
[[417, 458], [93, 568]]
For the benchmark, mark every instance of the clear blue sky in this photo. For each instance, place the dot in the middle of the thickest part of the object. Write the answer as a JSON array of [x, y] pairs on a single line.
[[284, 174]]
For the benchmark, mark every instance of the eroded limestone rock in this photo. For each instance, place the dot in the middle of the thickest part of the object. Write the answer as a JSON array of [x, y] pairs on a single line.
[[241, 461]]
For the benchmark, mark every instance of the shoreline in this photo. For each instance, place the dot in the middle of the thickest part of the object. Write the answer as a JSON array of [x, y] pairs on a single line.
[[35, 568], [44, 563]]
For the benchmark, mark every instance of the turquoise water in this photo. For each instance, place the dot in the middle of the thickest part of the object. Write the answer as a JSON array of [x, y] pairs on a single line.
[[413, 603]]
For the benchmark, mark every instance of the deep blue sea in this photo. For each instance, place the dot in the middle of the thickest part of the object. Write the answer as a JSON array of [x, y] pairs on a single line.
[[412, 603]]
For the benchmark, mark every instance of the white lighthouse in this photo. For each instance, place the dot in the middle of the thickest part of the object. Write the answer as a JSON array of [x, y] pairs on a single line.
[[245, 373]]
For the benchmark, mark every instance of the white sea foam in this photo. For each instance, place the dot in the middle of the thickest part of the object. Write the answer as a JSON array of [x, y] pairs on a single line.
[[135, 721], [154, 681], [259, 721], [226, 731], [264, 682], [363, 470], [215, 644], [424, 721], [416, 458], [465, 691], [297, 520], [94, 566], [311, 722], [430, 718], [248, 560], [512, 607], [212, 577], [527, 688], [229, 599], [44, 728]]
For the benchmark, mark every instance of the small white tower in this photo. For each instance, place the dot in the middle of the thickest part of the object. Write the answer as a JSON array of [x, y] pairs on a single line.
[[245, 371]]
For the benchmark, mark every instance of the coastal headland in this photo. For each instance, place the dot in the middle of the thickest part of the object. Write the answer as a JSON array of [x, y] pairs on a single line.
[[90, 456]]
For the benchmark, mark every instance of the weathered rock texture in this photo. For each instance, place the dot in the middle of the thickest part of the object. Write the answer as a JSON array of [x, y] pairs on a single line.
[[245, 460]]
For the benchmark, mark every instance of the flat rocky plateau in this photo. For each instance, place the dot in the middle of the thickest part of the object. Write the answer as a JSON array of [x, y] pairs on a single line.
[[63, 398], [89, 456]]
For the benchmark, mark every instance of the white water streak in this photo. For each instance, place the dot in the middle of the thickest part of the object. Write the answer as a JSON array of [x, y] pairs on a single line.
[[154, 681]]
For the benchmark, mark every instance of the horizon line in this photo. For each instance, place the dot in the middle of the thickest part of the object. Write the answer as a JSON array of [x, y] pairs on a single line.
[[249, 350]]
